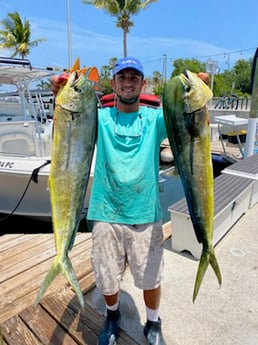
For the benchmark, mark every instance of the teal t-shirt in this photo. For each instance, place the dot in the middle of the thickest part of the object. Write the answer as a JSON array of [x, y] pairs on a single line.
[[125, 185]]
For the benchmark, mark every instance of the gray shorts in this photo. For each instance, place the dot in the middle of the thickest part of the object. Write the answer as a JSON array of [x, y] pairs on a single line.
[[116, 245]]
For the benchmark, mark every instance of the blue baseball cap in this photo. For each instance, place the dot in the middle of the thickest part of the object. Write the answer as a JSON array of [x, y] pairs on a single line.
[[128, 62]]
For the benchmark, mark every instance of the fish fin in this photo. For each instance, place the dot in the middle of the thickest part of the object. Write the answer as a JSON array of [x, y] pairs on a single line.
[[203, 265], [83, 71], [58, 266], [215, 266], [76, 65], [71, 277], [55, 269], [207, 257]]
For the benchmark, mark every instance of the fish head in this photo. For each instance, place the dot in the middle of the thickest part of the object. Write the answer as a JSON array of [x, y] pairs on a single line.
[[73, 95], [185, 97], [196, 92]]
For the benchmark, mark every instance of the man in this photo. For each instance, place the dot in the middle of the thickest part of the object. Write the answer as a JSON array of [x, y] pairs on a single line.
[[125, 201], [125, 204]]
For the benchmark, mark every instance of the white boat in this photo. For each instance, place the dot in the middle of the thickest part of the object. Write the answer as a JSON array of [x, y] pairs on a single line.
[[25, 140]]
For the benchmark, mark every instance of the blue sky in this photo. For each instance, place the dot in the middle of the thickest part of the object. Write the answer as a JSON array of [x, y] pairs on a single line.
[[223, 31]]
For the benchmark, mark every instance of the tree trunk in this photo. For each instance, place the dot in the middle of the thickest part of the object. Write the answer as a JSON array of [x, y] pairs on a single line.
[[124, 43]]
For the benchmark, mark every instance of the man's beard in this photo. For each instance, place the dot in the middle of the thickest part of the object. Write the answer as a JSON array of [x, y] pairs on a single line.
[[128, 100]]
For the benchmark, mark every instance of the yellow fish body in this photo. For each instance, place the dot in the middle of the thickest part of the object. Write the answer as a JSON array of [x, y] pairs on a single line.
[[186, 117], [74, 136]]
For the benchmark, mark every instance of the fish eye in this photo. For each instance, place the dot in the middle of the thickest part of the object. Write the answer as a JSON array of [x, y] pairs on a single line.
[[77, 89], [187, 88]]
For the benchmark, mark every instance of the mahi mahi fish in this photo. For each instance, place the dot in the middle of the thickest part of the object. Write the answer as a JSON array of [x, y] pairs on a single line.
[[185, 100], [74, 136]]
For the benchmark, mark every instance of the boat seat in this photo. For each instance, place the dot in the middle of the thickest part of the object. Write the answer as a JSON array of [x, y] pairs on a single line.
[[11, 108], [19, 137], [232, 198]]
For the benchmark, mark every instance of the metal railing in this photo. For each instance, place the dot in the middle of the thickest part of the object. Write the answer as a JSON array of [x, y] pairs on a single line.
[[230, 102]]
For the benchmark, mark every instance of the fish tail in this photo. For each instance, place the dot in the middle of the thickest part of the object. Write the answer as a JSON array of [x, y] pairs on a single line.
[[55, 269], [64, 265], [207, 257], [71, 277], [215, 266]]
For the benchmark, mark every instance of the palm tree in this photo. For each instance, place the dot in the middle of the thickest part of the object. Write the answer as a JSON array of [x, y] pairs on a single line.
[[43, 85], [16, 35], [122, 10]]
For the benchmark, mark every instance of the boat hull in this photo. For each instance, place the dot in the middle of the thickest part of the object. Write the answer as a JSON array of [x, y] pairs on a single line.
[[21, 195]]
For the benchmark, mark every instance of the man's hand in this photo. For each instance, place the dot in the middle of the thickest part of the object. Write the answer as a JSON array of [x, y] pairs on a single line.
[[57, 81], [204, 77]]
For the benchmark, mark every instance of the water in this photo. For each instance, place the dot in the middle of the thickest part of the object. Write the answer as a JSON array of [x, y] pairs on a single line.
[[18, 225], [171, 190], [26, 225]]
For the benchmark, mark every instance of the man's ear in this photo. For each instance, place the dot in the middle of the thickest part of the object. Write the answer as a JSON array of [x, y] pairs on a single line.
[[112, 83]]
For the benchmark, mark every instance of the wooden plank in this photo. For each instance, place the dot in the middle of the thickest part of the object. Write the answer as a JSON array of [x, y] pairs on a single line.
[[88, 282], [23, 287], [44, 327], [2, 341], [16, 332], [78, 257], [27, 259], [22, 244], [32, 255], [6, 241], [83, 325]]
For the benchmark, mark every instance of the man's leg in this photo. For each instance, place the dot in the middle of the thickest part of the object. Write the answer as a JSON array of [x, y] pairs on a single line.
[[106, 261], [109, 332], [152, 298], [152, 329]]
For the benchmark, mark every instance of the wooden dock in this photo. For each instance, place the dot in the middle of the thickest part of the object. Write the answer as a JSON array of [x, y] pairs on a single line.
[[57, 319], [232, 150]]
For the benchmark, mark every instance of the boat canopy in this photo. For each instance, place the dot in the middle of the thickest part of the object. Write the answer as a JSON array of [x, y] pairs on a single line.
[[15, 71]]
